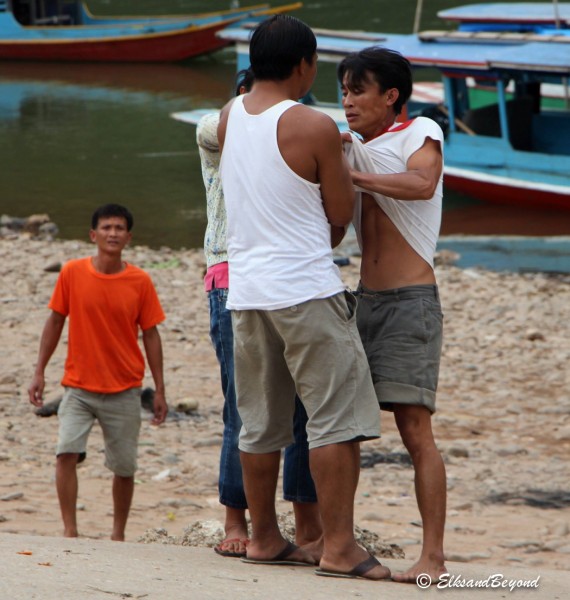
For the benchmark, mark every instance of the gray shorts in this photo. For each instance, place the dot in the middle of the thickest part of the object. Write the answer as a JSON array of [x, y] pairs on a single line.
[[313, 349], [401, 331], [119, 416]]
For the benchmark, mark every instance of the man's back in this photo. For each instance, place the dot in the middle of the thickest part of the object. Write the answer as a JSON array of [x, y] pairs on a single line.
[[278, 232]]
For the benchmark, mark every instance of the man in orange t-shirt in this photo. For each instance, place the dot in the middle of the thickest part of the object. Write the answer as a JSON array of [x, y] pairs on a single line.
[[107, 301]]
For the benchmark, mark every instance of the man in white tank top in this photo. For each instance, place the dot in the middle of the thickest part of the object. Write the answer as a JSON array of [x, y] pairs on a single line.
[[285, 182], [398, 170]]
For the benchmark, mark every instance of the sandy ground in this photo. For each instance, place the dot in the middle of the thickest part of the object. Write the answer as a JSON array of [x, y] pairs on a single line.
[[47, 568], [503, 420]]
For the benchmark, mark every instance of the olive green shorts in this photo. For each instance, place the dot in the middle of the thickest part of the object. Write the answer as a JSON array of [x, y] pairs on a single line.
[[313, 349], [119, 416], [401, 331]]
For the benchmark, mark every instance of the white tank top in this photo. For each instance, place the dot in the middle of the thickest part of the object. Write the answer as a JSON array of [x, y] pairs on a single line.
[[278, 236]]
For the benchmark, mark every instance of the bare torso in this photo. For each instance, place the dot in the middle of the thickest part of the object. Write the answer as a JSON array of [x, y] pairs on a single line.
[[388, 261]]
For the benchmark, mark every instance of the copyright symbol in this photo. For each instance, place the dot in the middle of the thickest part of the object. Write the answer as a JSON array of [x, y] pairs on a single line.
[[423, 581]]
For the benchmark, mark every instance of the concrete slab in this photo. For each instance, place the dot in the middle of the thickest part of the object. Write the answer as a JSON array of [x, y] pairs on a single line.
[[49, 568]]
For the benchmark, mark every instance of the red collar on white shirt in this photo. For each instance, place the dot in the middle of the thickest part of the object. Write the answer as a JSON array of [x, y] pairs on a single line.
[[393, 128]]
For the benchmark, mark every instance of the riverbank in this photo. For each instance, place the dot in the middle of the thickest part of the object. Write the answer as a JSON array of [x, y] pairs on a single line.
[[503, 420], [55, 568]]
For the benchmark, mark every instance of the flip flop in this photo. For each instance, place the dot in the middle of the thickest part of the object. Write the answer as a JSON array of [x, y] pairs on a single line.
[[228, 553], [280, 559], [358, 572]]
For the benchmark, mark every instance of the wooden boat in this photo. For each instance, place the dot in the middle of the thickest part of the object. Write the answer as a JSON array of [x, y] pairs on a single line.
[[534, 17], [513, 151], [65, 30]]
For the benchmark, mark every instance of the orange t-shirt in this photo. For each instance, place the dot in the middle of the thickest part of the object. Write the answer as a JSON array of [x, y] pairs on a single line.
[[105, 313]]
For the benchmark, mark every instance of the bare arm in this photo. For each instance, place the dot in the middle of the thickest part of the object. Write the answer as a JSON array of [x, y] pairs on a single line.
[[49, 341], [337, 235], [337, 190], [419, 182], [153, 349], [224, 123]]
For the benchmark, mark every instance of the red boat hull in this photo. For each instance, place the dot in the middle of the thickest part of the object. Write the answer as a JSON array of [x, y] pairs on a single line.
[[141, 48], [515, 195]]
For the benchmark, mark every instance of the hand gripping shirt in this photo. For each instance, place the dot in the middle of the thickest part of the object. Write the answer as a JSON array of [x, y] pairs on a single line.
[[417, 220], [105, 313]]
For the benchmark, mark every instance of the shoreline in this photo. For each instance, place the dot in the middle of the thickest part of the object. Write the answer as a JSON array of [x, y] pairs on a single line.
[[503, 420]]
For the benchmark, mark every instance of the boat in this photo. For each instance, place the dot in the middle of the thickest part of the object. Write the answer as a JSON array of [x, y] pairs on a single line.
[[65, 30], [543, 18], [511, 150]]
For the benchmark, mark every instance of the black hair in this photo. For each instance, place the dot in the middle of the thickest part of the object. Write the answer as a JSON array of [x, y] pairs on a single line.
[[388, 68], [278, 45], [112, 210], [244, 79]]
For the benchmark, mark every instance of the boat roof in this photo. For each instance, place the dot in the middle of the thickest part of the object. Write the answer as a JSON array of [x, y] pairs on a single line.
[[512, 12], [445, 54]]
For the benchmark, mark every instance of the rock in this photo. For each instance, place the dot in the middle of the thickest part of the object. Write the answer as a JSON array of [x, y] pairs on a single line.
[[458, 451], [54, 267], [465, 558], [156, 536], [561, 529], [12, 496], [534, 335], [147, 399], [34, 222], [563, 434], [464, 506], [203, 533], [49, 408], [186, 406]]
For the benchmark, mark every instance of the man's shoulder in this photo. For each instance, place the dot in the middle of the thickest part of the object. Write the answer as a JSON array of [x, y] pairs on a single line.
[[207, 130], [76, 264], [137, 272], [308, 121], [428, 126]]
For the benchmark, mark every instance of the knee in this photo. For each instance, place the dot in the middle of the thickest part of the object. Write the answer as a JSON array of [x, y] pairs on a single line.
[[417, 436], [67, 460]]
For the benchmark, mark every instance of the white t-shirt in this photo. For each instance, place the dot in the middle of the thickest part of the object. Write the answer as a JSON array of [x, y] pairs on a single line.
[[417, 220]]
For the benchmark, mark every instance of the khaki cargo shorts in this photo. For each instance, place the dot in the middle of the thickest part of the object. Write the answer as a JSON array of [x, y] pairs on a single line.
[[119, 416], [312, 349]]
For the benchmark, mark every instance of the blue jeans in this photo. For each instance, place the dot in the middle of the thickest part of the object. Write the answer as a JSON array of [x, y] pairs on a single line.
[[298, 484]]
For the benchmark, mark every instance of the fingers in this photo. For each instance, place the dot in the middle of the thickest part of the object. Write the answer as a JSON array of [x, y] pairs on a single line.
[[35, 393], [160, 410]]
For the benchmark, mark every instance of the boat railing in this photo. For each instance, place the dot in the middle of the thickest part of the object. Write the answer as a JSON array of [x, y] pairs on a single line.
[[54, 20], [344, 35], [490, 36]]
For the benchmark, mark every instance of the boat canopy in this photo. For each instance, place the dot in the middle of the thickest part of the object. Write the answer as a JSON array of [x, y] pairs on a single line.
[[45, 12], [543, 13], [484, 58]]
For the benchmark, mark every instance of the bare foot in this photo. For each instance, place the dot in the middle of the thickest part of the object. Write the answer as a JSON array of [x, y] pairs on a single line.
[[434, 568], [70, 533], [234, 544], [232, 547], [315, 549]]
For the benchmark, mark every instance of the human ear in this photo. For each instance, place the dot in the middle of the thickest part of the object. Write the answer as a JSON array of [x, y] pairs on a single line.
[[392, 96]]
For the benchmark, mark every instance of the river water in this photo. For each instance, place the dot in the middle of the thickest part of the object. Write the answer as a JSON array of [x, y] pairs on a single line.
[[74, 136]]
